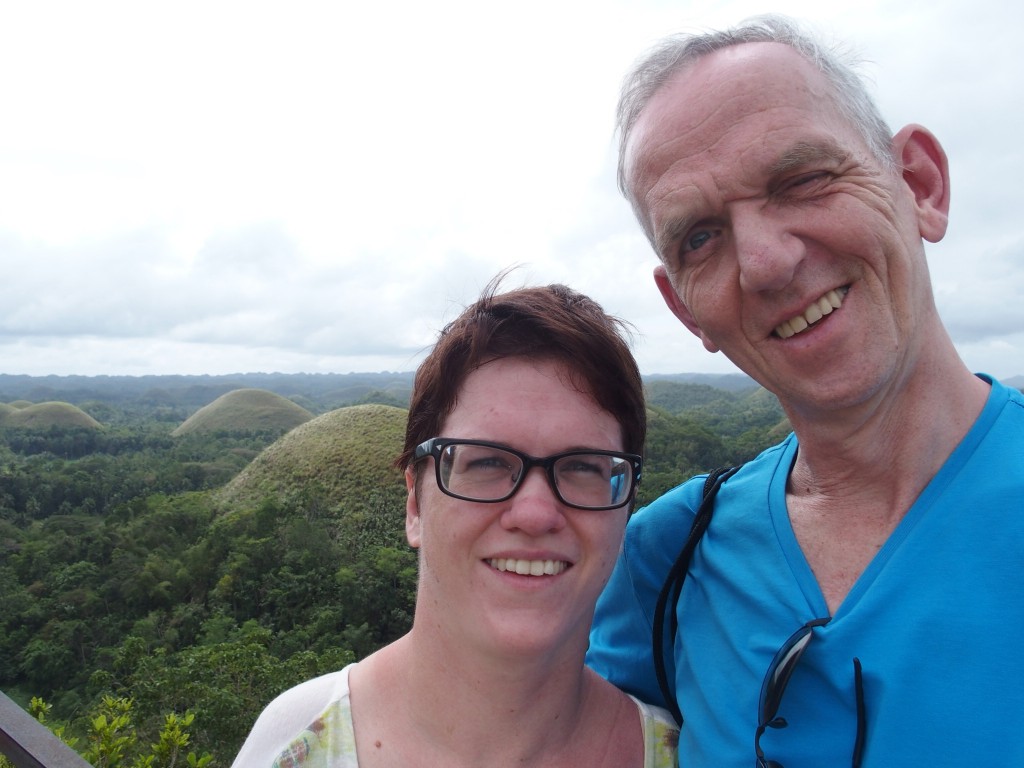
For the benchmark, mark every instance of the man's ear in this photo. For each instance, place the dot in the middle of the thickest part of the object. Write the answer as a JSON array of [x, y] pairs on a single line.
[[925, 170], [668, 293], [412, 510]]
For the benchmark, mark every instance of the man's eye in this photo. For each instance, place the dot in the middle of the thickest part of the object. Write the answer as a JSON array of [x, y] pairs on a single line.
[[806, 179], [697, 240]]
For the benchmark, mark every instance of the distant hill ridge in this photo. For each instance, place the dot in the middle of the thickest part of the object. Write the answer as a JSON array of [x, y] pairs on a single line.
[[318, 392], [197, 391], [332, 389]]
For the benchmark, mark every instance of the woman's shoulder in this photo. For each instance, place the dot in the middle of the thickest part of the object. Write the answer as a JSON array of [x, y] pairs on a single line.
[[314, 694], [661, 735], [289, 715]]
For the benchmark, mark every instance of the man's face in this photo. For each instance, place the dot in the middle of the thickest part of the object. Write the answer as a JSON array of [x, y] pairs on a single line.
[[783, 241]]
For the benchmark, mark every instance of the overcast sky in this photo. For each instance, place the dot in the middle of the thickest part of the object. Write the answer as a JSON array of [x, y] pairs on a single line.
[[220, 187]]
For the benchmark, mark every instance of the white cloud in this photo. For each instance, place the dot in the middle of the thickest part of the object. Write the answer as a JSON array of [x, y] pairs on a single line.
[[314, 186]]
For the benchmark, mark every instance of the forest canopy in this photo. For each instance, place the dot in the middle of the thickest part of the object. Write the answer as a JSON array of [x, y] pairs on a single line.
[[148, 573]]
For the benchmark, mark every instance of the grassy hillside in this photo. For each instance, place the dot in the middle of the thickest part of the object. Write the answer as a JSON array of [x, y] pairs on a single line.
[[245, 410], [45, 415], [346, 453]]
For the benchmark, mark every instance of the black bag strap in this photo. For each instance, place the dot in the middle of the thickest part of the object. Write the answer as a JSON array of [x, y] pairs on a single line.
[[673, 586]]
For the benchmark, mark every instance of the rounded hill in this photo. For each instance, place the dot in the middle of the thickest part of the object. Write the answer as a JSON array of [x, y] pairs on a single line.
[[46, 415], [343, 455], [245, 410]]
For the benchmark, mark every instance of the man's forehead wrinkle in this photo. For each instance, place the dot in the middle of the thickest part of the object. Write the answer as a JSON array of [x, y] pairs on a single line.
[[663, 126], [679, 155]]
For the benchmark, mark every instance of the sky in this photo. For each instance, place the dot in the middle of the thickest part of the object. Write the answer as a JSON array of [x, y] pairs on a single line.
[[231, 187]]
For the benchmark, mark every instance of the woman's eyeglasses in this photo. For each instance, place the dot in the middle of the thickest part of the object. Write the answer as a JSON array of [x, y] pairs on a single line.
[[777, 678], [475, 470]]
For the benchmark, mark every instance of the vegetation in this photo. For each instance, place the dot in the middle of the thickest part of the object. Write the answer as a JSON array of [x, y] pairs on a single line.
[[112, 742], [157, 591], [46, 415], [249, 409]]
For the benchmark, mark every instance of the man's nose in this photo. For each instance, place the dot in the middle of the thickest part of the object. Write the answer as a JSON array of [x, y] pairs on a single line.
[[768, 253]]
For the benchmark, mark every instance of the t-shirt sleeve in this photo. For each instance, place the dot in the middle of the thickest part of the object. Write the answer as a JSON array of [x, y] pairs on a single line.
[[283, 718], [621, 636]]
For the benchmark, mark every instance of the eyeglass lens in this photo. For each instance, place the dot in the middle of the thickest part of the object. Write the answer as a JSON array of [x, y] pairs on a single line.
[[774, 685], [777, 677], [489, 473]]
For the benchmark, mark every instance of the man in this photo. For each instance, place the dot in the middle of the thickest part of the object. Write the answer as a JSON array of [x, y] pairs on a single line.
[[876, 554]]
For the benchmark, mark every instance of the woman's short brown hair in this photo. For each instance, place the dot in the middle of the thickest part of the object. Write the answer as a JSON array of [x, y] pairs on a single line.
[[549, 323]]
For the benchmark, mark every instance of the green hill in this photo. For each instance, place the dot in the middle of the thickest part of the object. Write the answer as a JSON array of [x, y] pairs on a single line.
[[679, 397], [45, 416], [343, 455], [245, 410]]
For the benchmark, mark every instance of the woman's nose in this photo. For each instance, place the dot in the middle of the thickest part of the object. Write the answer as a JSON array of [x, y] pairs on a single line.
[[534, 508]]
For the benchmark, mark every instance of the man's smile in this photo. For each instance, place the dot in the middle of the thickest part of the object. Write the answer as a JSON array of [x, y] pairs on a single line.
[[825, 305]]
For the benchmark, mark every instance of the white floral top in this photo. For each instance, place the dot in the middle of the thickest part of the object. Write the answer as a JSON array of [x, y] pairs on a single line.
[[329, 740]]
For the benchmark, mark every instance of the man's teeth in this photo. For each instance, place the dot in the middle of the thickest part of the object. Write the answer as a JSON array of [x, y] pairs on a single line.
[[823, 306], [529, 567]]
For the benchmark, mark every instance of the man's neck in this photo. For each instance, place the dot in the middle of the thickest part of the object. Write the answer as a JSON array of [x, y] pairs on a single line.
[[858, 472], [897, 438]]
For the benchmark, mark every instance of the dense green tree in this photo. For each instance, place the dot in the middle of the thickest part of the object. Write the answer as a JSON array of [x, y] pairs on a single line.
[[126, 577]]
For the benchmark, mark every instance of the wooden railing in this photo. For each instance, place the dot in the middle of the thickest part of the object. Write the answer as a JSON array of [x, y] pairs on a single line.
[[29, 744]]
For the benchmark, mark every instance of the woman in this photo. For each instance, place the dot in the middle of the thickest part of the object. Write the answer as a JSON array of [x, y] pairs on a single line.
[[513, 554]]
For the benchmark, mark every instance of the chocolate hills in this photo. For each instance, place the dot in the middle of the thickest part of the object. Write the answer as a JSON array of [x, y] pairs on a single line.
[[245, 410], [42, 416], [343, 455]]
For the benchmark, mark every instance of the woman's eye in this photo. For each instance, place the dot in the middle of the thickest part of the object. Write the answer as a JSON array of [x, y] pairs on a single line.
[[581, 467], [489, 462]]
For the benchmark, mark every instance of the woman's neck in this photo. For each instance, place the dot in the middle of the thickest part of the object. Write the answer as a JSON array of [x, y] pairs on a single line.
[[412, 703]]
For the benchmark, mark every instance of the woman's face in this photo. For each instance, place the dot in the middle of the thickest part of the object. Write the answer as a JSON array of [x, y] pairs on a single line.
[[470, 551]]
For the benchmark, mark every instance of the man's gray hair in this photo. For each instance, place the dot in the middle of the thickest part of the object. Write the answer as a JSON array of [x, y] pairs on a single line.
[[675, 53]]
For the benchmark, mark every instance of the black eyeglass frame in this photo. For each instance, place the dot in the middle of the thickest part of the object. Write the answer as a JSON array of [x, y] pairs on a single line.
[[435, 445]]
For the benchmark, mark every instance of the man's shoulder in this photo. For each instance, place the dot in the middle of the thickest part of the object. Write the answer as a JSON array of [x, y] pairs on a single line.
[[684, 499], [1013, 394], [1003, 414]]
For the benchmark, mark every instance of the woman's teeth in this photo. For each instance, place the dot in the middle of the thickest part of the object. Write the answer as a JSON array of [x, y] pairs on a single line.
[[528, 567]]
